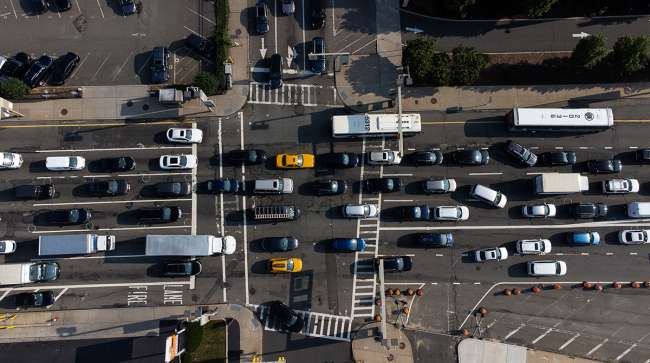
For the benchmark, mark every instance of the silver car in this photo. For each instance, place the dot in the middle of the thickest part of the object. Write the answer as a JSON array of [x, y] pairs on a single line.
[[360, 210], [439, 186], [384, 157]]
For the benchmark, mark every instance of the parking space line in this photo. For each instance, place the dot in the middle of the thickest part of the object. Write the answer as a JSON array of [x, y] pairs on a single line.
[[569, 341], [365, 45], [78, 7], [221, 213], [385, 174], [513, 332], [100, 9], [625, 352], [194, 171], [302, 8], [542, 336], [112, 229], [112, 149], [113, 202], [477, 174], [597, 347], [60, 294], [191, 30], [5, 294], [100, 66], [74, 74], [13, 8], [398, 200], [275, 24], [202, 17], [108, 176], [119, 70], [146, 62]]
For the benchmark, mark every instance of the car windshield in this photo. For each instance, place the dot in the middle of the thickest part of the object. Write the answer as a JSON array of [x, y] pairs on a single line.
[[73, 215], [482, 255], [112, 186], [366, 209], [7, 158], [283, 243], [299, 160], [166, 213], [73, 162], [290, 265], [174, 160], [260, 10]]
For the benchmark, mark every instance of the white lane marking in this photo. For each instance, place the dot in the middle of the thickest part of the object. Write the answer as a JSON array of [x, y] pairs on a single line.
[[192, 282], [398, 200], [112, 229], [113, 202], [112, 149], [333, 20], [275, 24], [13, 8], [60, 294], [603, 224], [349, 45], [513, 332], [202, 17], [608, 147], [194, 171], [304, 41], [221, 214], [597, 347], [111, 176], [191, 30], [583, 148], [365, 45], [569, 341], [542, 336], [100, 8], [78, 7], [485, 174], [559, 148], [632, 147], [534, 173], [87, 286], [119, 70], [5, 14], [100, 66], [5, 294], [398, 174], [74, 74], [243, 177]]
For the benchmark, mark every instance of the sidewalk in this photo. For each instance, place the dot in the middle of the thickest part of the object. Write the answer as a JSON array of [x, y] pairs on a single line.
[[485, 351], [396, 348]]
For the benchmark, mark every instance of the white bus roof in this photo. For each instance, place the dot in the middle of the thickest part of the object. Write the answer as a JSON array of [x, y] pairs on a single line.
[[563, 116], [374, 123]]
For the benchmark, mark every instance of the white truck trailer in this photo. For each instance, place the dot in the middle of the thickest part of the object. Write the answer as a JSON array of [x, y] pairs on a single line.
[[560, 183], [74, 244], [188, 245]]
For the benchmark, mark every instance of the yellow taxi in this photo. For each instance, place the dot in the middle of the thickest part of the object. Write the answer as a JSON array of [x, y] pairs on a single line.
[[294, 161], [292, 264]]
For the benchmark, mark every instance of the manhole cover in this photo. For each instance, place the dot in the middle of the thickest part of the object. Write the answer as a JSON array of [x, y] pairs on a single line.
[[129, 104], [433, 101], [64, 111], [80, 23], [145, 107], [417, 102]]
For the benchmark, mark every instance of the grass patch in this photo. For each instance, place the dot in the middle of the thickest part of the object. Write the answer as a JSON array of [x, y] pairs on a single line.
[[206, 343]]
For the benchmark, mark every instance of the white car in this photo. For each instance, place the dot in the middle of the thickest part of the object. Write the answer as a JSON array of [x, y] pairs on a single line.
[[11, 161], [546, 268], [185, 136], [63, 163], [620, 186], [491, 254], [360, 210], [7, 246], [185, 161], [450, 213], [634, 236], [539, 210], [384, 157], [533, 246]]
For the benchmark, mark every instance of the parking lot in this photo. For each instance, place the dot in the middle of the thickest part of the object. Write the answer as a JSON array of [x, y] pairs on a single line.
[[113, 49]]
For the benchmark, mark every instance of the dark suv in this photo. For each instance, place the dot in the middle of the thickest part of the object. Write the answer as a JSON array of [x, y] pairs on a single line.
[[200, 45], [318, 16], [160, 59], [261, 18], [36, 192], [63, 67], [275, 76], [109, 188], [182, 268], [521, 153], [68, 217], [590, 210], [39, 71], [159, 215], [289, 319], [318, 65]]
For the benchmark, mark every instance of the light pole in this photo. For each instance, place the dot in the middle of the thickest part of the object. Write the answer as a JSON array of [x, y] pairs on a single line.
[[400, 81]]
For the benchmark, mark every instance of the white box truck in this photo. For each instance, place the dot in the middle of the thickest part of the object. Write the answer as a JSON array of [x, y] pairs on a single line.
[[560, 183], [74, 244], [188, 245], [24, 273]]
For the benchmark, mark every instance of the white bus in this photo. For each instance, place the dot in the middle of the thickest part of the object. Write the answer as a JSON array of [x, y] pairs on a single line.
[[560, 119], [375, 125]]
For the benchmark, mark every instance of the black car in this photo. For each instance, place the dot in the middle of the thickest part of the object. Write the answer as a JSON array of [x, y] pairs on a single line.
[[182, 268], [202, 46], [122, 163], [44, 271], [590, 210], [38, 6], [289, 319], [433, 157], [35, 192], [395, 263], [223, 186], [341, 160], [248, 157], [643, 155], [63, 67], [318, 64], [127, 7], [275, 73], [471, 157], [279, 244], [173, 189], [159, 215], [559, 158], [382, 185], [160, 64], [109, 188], [68, 217], [415, 213], [330, 187], [521, 153], [39, 71], [61, 5], [318, 17], [605, 166], [261, 18], [38, 299], [16, 66]]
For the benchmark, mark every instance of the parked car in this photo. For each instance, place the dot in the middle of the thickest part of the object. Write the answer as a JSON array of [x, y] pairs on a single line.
[[205, 47], [109, 188], [121, 163], [159, 215], [288, 7], [295, 161], [173, 189], [634, 236], [224, 185], [182, 268], [521, 153], [349, 244], [605, 166], [384, 157], [533, 246], [186, 161], [44, 271], [64, 163], [330, 187], [491, 254], [286, 316], [319, 63], [360, 210], [16, 66], [279, 265], [395, 263], [261, 18], [68, 217], [543, 210], [546, 268], [35, 192], [7, 246], [382, 185], [439, 185], [559, 158], [248, 156], [341, 160], [620, 186], [63, 68], [127, 7], [433, 157], [61, 5], [471, 157], [583, 238], [642, 155], [160, 65], [39, 299], [39, 71], [10, 160], [279, 244], [184, 135], [275, 73], [436, 239], [415, 213], [590, 210], [38, 6], [488, 195], [450, 213]]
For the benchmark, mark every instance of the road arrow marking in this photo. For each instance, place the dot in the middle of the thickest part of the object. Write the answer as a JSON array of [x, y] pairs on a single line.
[[414, 30], [263, 50], [581, 35]]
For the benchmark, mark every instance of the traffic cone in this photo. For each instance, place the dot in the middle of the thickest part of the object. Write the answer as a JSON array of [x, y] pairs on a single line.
[[636, 284], [598, 287], [410, 292], [616, 285], [507, 292], [536, 289], [420, 292], [389, 292], [557, 286], [586, 285], [516, 291], [397, 292]]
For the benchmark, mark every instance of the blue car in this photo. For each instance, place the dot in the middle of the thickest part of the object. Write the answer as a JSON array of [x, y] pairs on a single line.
[[349, 244], [415, 213], [583, 238], [223, 185], [436, 239]]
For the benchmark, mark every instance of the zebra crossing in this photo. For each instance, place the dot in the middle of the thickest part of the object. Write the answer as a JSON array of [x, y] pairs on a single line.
[[364, 285], [293, 94], [320, 325]]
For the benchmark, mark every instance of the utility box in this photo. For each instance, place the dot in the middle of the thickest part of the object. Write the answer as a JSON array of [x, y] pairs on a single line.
[[170, 96]]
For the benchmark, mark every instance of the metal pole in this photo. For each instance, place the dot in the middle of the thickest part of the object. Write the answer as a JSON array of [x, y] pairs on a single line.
[[383, 299], [399, 115]]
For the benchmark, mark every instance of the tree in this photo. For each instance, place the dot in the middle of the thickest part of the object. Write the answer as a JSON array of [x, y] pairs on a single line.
[[418, 56], [208, 82], [538, 8], [589, 52], [629, 55], [13, 88], [466, 65], [440, 69], [457, 8]]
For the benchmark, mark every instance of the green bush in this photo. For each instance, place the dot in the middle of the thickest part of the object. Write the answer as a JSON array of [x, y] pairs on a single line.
[[440, 71], [538, 8], [589, 53], [207, 82], [418, 56], [629, 56], [466, 65], [13, 88]]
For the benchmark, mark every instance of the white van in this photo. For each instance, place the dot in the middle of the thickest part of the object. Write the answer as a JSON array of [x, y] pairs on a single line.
[[274, 186], [638, 210], [546, 268], [59, 163], [489, 196]]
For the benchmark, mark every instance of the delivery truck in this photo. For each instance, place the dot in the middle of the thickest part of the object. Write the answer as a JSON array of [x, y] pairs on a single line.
[[25, 273], [74, 244], [560, 183], [188, 245]]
